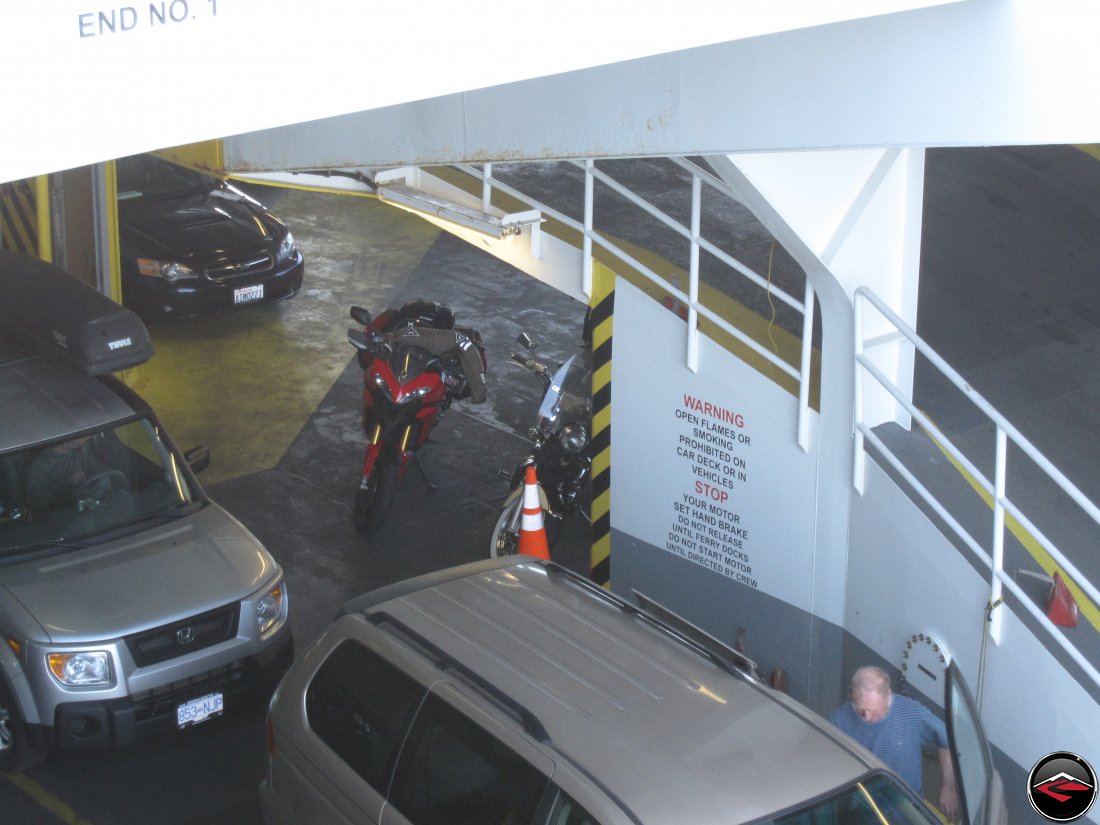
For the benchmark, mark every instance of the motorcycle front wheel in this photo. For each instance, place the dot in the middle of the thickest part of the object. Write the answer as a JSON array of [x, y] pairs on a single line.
[[374, 498], [506, 531], [505, 541]]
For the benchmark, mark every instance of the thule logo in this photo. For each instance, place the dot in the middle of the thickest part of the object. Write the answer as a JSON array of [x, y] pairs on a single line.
[[119, 344]]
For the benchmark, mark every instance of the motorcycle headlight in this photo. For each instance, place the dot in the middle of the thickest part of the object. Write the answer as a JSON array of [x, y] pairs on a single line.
[[271, 609], [84, 669], [574, 438], [419, 392], [287, 247], [170, 271]]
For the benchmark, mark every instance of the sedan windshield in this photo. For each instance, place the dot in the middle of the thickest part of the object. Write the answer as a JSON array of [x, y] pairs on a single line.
[[147, 176], [876, 800], [89, 488]]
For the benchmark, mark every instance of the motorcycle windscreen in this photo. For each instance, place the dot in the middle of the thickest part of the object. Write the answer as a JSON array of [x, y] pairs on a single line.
[[981, 794], [569, 394]]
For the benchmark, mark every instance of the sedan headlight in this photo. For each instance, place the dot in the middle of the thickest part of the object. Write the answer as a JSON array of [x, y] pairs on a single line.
[[287, 247], [84, 669], [170, 271], [271, 608]]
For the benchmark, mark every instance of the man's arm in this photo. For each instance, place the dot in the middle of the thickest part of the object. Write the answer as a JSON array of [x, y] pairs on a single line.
[[949, 792]]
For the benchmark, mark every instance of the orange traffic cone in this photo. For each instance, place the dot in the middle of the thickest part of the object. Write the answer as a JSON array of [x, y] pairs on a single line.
[[532, 531]]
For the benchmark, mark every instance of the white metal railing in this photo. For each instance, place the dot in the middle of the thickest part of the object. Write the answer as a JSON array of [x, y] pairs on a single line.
[[693, 236], [994, 557]]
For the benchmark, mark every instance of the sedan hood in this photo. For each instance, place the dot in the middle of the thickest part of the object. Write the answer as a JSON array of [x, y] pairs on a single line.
[[148, 579], [197, 226]]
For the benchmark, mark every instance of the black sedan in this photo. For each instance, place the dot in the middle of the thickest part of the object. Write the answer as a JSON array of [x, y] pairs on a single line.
[[193, 244]]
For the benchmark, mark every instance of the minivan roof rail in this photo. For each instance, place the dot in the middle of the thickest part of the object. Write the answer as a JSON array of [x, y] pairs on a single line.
[[447, 663], [678, 628]]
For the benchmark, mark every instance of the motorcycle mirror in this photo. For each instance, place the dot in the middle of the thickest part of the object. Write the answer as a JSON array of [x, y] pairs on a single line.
[[361, 315], [525, 341]]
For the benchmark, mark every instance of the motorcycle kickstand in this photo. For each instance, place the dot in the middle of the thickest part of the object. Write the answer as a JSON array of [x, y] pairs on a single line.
[[424, 474]]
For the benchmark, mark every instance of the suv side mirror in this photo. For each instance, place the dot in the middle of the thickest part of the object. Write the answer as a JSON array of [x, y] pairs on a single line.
[[198, 458]]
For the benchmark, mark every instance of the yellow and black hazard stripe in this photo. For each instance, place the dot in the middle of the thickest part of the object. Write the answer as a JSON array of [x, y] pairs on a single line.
[[18, 217], [601, 310]]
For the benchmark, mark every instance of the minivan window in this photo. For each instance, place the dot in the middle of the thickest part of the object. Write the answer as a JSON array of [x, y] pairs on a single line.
[[877, 800], [360, 705], [72, 492], [453, 772], [567, 812]]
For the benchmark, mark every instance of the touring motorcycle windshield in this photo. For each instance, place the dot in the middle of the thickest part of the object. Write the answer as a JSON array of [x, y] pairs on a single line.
[[568, 398], [408, 362]]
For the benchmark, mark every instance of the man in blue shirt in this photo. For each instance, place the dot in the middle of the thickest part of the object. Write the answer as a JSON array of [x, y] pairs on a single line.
[[895, 729]]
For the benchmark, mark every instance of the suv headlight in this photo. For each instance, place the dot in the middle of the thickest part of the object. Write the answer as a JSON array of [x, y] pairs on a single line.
[[271, 609], [170, 271], [84, 669]]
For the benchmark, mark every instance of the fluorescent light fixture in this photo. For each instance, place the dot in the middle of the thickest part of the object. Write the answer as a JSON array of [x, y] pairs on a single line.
[[495, 226]]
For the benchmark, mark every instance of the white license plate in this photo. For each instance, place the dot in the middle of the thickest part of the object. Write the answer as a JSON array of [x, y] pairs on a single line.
[[199, 710], [248, 294]]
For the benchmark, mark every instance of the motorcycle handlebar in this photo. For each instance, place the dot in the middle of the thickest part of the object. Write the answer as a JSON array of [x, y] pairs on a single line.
[[372, 343], [531, 365]]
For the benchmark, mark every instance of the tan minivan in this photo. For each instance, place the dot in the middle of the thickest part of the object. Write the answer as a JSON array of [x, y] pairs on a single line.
[[513, 691]]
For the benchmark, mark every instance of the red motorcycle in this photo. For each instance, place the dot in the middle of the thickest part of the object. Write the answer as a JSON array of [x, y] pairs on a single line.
[[415, 363]]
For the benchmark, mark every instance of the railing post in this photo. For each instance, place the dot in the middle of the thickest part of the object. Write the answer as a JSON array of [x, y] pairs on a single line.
[[858, 459], [486, 187], [995, 597], [693, 276], [586, 241], [804, 372]]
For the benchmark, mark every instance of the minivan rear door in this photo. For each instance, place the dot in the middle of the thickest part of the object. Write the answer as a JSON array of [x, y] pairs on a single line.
[[981, 794]]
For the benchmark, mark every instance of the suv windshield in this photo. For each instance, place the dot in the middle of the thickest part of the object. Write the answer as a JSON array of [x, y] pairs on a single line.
[[90, 487], [876, 800]]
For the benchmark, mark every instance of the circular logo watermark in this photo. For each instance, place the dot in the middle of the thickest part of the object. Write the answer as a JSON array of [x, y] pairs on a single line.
[[1062, 787]]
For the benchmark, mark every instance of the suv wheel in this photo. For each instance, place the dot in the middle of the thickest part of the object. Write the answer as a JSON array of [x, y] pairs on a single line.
[[16, 751]]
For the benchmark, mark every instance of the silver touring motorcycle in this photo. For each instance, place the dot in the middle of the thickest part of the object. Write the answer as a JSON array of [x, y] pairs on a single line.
[[561, 450]]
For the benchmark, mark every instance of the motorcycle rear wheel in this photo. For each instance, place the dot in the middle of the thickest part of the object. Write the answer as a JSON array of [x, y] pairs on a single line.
[[373, 501]]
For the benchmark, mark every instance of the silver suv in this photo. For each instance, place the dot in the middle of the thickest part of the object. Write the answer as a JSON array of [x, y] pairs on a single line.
[[129, 602], [512, 691]]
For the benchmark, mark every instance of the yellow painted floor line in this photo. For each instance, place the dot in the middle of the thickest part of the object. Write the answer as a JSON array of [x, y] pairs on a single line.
[[46, 799], [1084, 604], [1090, 149]]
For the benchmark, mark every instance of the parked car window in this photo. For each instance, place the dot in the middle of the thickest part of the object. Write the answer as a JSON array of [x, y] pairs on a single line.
[[360, 705], [147, 176], [567, 812], [875, 801], [453, 772]]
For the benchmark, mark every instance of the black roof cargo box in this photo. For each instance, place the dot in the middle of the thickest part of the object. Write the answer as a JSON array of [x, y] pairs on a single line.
[[62, 317]]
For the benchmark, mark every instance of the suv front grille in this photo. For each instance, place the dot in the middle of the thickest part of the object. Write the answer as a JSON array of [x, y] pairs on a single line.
[[176, 639], [255, 264], [161, 702]]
